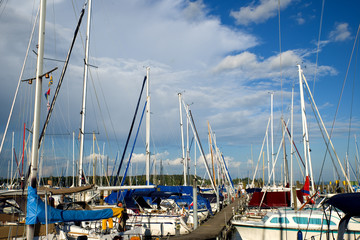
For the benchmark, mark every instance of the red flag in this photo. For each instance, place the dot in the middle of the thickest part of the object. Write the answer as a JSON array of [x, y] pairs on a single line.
[[306, 188], [47, 94]]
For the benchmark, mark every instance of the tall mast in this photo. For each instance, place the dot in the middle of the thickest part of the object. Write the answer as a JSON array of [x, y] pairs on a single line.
[[187, 160], [292, 148], [211, 154], [272, 135], [326, 132], [305, 131], [196, 135], [38, 94], [12, 158], [182, 140], [147, 126], [357, 159], [73, 183], [82, 112], [94, 160], [267, 151]]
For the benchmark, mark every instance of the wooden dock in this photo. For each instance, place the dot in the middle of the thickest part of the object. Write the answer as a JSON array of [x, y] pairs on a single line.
[[216, 227]]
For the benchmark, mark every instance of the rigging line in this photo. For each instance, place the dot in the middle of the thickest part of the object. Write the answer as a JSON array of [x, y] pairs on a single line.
[[130, 131], [352, 98], [342, 90], [318, 45], [108, 112], [19, 81], [132, 149], [53, 8], [98, 104], [281, 80], [2, 3], [112, 172], [326, 142], [52, 105]]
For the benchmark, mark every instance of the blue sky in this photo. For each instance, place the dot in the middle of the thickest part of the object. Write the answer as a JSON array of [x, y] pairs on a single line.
[[224, 56]]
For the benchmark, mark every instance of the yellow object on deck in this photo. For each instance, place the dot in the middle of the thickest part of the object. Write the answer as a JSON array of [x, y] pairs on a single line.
[[117, 212], [104, 223]]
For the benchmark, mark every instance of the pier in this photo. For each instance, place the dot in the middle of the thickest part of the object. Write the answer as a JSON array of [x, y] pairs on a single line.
[[217, 227]]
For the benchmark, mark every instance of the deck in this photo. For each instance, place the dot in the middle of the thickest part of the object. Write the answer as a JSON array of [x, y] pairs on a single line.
[[216, 227]]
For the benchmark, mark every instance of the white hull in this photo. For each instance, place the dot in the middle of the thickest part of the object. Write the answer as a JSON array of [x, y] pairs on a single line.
[[289, 224], [247, 232], [159, 225]]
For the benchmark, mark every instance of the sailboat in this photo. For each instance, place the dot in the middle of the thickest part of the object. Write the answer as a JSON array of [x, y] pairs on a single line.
[[304, 223], [37, 210], [153, 219]]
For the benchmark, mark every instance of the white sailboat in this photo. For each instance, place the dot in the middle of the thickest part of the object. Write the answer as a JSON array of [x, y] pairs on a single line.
[[305, 223], [291, 224]]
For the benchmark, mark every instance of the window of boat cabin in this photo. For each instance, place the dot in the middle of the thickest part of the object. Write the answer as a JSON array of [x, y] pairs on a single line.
[[314, 221], [279, 220]]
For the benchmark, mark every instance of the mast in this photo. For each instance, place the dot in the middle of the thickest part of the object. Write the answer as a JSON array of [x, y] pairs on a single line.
[[357, 159], [272, 135], [12, 158], [327, 134], [305, 131], [82, 112], [211, 154], [195, 143], [94, 160], [267, 151], [292, 148], [187, 149], [147, 126], [73, 183], [30, 229], [197, 139], [182, 141]]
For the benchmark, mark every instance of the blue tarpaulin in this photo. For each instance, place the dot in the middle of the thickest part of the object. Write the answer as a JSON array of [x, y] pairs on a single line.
[[177, 193], [35, 212]]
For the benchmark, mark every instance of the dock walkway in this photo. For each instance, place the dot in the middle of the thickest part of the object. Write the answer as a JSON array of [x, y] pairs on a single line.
[[216, 227]]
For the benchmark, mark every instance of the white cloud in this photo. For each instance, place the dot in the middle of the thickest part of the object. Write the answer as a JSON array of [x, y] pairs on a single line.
[[299, 18], [258, 13], [185, 48], [340, 33], [252, 67]]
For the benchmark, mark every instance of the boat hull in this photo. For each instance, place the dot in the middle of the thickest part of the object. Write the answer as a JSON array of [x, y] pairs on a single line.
[[251, 232]]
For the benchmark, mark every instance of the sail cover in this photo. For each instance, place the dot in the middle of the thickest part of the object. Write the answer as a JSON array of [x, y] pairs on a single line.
[[349, 203], [36, 213]]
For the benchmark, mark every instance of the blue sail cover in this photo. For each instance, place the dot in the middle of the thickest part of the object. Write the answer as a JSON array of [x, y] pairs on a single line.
[[349, 203], [180, 194], [35, 212]]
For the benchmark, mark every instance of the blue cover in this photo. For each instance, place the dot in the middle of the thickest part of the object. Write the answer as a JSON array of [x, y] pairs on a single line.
[[178, 193], [349, 203], [35, 212]]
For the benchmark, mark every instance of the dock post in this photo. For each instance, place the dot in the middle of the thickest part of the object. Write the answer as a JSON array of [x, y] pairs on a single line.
[[195, 205]]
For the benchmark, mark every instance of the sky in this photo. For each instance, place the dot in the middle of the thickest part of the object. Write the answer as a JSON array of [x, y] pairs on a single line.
[[224, 57]]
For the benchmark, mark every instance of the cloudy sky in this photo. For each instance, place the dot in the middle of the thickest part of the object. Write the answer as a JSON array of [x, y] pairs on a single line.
[[225, 57]]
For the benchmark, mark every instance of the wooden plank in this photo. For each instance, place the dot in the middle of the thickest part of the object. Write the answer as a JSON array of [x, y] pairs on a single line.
[[18, 230], [214, 226]]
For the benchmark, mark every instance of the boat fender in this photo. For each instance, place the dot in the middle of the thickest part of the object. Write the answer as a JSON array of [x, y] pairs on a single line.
[[299, 235]]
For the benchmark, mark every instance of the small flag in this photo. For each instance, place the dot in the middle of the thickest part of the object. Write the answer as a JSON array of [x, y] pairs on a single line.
[[50, 81], [47, 94], [48, 106], [306, 187]]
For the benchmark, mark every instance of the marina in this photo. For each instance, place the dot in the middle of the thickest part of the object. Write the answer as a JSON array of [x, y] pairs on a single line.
[[140, 121], [217, 227]]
